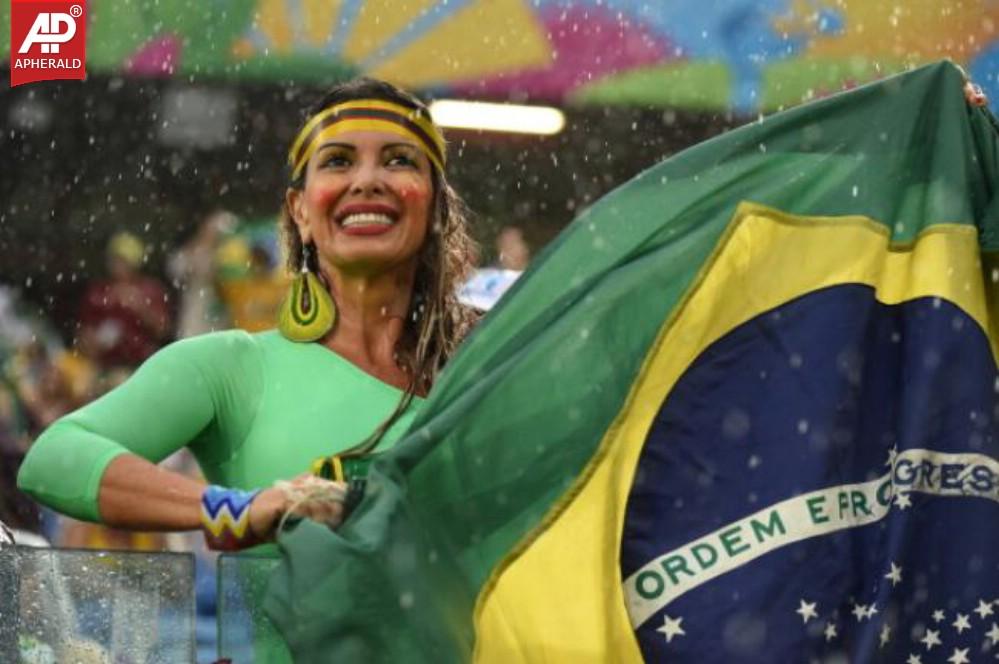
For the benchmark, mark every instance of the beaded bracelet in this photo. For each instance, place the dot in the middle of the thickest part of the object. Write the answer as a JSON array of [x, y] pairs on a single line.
[[225, 518]]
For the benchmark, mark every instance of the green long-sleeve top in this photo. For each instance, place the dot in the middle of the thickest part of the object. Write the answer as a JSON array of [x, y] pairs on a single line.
[[253, 408]]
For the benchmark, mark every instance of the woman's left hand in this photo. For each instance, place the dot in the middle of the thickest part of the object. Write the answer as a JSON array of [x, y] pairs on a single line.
[[306, 497]]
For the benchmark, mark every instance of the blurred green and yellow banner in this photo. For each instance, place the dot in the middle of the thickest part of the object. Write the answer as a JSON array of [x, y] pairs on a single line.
[[745, 55]]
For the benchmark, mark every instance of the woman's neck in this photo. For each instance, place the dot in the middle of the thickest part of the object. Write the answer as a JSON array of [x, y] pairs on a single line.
[[371, 318]]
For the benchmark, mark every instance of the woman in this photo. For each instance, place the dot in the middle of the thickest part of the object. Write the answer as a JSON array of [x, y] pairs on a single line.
[[379, 241]]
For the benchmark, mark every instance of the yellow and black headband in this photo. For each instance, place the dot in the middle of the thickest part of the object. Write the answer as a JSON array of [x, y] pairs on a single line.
[[366, 115]]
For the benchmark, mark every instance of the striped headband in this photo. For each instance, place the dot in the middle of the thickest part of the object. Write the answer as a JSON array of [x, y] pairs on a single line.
[[366, 115]]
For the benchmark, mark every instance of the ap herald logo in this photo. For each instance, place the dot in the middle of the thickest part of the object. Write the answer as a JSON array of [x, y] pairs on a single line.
[[48, 41]]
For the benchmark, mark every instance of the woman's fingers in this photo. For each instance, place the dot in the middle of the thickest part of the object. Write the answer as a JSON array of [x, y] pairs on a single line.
[[329, 512], [314, 498]]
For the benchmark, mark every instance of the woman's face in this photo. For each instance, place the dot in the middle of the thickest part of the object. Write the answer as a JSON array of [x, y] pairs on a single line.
[[366, 202]]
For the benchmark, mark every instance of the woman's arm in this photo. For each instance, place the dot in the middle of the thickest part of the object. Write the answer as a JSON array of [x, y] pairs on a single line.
[[136, 494], [98, 463]]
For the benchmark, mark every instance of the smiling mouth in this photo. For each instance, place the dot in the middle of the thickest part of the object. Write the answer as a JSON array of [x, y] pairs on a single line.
[[366, 219]]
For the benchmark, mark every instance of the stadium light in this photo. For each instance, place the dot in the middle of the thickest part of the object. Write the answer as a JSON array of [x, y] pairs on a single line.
[[485, 116]]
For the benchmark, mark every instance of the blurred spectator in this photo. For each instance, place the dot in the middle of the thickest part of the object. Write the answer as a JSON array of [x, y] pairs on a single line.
[[16, 509], [512, 250], [34, 390], [251, 280], [124, 318], [44, 389], [488, 284], [194, 272], [16, 327]]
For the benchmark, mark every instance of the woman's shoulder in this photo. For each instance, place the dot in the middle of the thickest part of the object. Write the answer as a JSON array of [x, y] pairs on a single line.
[[214, 351], [226, 362], [227, 341]]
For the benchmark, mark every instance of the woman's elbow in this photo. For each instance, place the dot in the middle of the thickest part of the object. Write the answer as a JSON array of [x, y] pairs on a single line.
[[61, 467]]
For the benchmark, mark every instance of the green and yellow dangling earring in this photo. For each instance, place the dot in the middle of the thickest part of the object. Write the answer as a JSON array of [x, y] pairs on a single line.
[[308, 312]]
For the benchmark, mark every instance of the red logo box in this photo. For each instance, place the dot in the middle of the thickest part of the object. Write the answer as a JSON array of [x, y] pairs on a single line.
[[48, 41]]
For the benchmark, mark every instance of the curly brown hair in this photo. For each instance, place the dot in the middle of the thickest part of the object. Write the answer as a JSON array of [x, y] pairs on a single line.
[[437, 322]]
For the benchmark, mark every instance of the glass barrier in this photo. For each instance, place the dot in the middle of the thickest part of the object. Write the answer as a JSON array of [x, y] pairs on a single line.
[[246, 635], [96, 607]]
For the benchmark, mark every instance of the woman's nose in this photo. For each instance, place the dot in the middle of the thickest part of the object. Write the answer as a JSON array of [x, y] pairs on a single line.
[[367, 179]]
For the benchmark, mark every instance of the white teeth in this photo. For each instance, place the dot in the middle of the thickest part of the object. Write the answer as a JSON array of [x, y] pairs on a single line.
[[365, 218]]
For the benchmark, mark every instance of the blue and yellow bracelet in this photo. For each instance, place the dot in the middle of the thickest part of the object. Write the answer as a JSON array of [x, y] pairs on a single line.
[[225, 518]]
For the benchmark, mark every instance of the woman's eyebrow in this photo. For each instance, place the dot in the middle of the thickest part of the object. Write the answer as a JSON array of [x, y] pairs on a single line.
[[334, 144], [392, 146], [352, 147]]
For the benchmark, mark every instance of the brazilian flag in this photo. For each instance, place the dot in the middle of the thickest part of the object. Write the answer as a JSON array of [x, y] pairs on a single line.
[[744, 409]]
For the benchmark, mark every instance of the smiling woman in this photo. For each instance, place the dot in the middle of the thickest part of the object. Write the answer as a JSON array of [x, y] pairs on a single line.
[[378, 239], [368, 210]]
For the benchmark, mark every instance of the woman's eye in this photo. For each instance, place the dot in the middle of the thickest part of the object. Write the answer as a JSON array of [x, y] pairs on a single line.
[[401, 160], [336, 161]]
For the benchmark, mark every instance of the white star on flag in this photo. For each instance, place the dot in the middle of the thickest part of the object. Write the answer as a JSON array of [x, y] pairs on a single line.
[[938, 615], [993, 633], [984, 609], [830, 631], [914, 659], [859, 612], [807, 611], [902, 500], [872, 610], [671, 627], [892, 453], [961, 623], [960, 656], [930, 639], [885, 635], [895, 574]]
